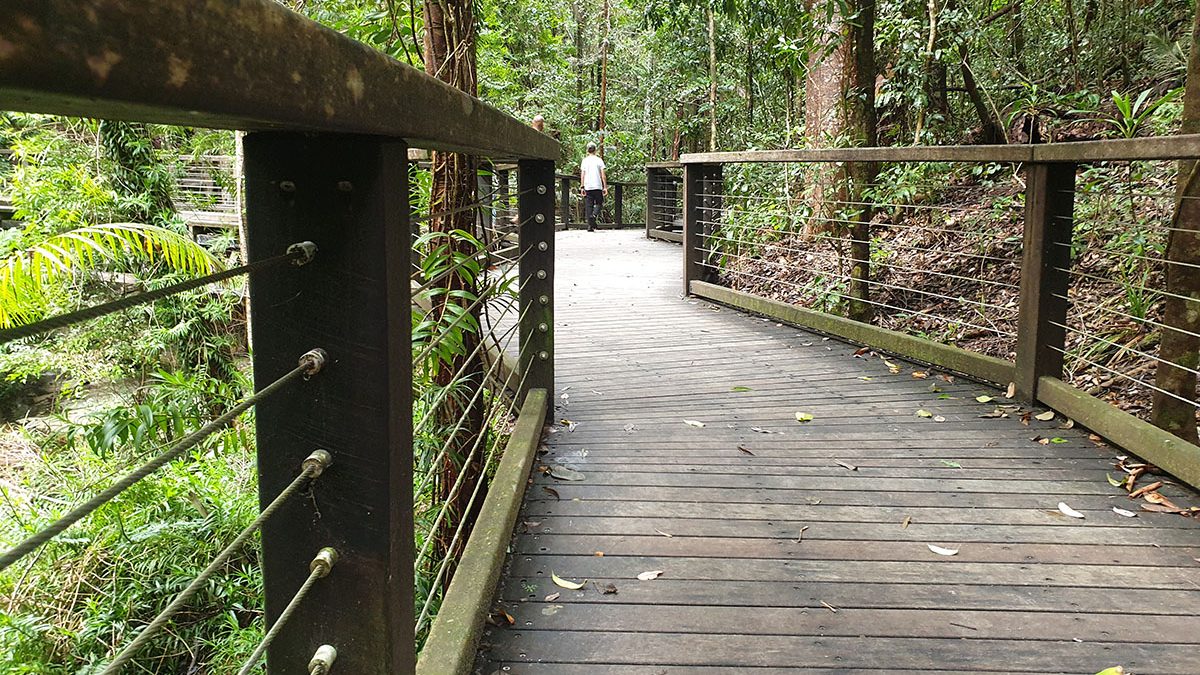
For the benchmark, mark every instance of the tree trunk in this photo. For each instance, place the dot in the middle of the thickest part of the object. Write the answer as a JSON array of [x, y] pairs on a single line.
[[926, 63], [991, 131], [712, 81], [824, 112], [1174, 410], [601, 123], [862, 126], [450, 57], [580, 26]]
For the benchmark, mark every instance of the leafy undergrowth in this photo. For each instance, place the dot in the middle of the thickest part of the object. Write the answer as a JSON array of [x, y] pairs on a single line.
[[946, 266], [71, 605]]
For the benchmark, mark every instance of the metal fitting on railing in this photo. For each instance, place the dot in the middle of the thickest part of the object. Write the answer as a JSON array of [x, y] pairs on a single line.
[[322, 660], [323, 563], [317, 462], [313, 361], [305, 250]]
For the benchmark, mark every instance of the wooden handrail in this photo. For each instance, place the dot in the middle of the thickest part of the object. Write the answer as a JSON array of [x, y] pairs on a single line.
[[251, 65], [1155, 147]]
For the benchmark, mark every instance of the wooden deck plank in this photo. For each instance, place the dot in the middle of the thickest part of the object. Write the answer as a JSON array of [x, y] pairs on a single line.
[[1030, 590]]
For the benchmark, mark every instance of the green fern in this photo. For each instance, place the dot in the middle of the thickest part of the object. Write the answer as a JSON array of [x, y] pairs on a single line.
[[28, 278]]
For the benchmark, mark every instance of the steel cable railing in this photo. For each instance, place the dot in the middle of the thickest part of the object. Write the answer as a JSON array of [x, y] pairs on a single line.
[[312, 467], [310, 364], [298, 254]]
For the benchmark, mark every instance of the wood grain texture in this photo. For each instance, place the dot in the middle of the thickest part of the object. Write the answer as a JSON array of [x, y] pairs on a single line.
[[762, 544]]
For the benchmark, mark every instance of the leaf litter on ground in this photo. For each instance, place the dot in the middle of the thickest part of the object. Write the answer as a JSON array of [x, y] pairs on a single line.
[[942, 551], [694, 423], [650, 575], [563, 583]]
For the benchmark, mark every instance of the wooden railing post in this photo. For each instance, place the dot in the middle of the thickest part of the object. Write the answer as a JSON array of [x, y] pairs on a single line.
[[535, 185], [564, 203], [651, 191], [618, 205], [348, 195], [701, 207], [1049, 212]]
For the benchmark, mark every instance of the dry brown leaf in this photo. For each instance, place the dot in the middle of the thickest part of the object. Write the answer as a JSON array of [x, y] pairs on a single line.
[[1146, 488], [800, 536], [905, 524], [1045, 416], [1156, 498], [609, 589], [552, 597], [599, 554], [1012, 390], [649, 576], [919, 375], [744, 449], [845, 465], [829, 607], [668, 536]]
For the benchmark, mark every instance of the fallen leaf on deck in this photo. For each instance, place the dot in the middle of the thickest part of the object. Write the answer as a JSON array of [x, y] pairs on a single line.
[[569, 585], [552, 492], [552, 597], [599, 554], [1113, 481], [741, 389], [892, 368], [804, 417], [984, 399], [551, 610], [997, 413], [1123, 512], [906, 523], [1115, 670], [1155, 498], [630, 428], [1058, 441], [800, 536], [942, 551], [944, 397], [744, 449], [829, 607], [693, 423], [648, 576], [568, 424], [1039, 439], [865, 378], [609, 589], [952, 465], [939, 418], [924, 413], [668, 536], [760, 430], [845, 465], [919, 375], [1146, 488], [1069, 424], [933, 388], [1159, 508], [948, 378], [1068, 511], [1012, 390], [508, 618], [859, 352], [1045, 416], [565, 473]]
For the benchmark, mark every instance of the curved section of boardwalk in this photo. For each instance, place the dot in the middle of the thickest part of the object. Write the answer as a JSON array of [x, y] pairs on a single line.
[[786, 546]]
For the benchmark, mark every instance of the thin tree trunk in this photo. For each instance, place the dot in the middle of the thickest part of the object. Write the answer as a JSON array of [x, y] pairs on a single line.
[[1174, 410], [991, 131], [926, 61], [602, 122], [239, 201], [712, 81], [750, 80], [862, 125], [580, 25], [450, 56]]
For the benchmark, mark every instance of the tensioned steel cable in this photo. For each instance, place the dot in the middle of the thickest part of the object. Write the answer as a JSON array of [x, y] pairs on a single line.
[[424, 615], [310, 364], [319, 568], [299, 254], [312, 467]]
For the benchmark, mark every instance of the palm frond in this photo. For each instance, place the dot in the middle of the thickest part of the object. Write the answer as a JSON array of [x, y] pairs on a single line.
[[28, 277]]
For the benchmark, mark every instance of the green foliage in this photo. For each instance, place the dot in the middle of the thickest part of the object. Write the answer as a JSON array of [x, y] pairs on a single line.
[[1132, 114]]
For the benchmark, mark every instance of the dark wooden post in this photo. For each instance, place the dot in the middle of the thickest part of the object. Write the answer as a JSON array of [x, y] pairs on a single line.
[[349, 195], [618, 206], [503, 198], [564, 204], [651, 191], [536, 215], [1049, 212], [701, 207]]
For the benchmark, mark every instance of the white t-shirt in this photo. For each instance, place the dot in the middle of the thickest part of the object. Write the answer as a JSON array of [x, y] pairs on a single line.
[[591, 167]]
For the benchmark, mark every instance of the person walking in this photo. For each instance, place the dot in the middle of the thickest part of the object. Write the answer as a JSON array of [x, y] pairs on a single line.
[[593, 185]]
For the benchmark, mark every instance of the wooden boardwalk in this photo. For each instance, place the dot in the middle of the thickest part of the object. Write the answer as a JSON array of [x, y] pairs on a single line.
[[789, 546]]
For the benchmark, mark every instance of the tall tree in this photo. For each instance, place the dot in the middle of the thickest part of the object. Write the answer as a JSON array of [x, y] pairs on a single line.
[[450, 56], [1174, 408]]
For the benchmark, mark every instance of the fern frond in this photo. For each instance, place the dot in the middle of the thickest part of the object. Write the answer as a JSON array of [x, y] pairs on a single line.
[[26, 278]]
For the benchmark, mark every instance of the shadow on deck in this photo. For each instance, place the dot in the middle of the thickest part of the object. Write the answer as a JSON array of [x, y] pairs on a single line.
[[805, 546]]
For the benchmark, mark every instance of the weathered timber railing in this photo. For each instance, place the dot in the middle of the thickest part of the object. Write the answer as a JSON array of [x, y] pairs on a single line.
[[570, 204], [1053, 284], [664, 201], [326, 169]]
